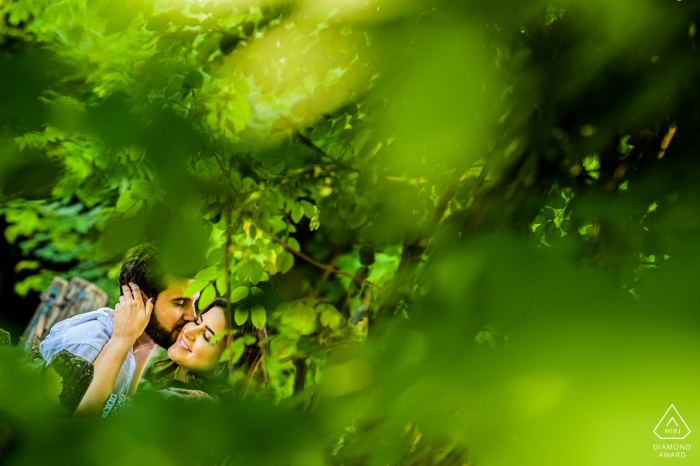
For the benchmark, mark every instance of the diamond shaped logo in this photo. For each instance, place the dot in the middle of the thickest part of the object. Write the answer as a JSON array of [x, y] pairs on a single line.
[[672, 426]]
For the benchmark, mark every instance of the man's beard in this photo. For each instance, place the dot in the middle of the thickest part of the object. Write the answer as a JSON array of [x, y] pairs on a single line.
[[159, 334]]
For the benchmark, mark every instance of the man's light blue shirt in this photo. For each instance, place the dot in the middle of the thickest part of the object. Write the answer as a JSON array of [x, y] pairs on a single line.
[[84, 335]]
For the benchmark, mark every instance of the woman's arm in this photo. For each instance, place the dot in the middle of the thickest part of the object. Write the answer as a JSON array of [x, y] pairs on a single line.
[[130, 319], [107, 366]]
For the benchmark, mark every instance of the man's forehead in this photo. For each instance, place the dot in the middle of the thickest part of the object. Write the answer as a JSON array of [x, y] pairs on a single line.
[[176, 286]]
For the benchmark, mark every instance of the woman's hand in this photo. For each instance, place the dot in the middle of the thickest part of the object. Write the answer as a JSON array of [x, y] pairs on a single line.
[[131, 315]]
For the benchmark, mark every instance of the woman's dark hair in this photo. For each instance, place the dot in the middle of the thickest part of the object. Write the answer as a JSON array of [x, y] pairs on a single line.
[[141, 266], [216, 382]]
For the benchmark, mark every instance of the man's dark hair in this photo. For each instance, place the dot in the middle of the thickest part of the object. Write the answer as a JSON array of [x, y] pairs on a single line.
[[141, 267]]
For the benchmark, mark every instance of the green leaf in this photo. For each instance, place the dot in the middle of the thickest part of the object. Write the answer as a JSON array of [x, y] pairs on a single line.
[[118, 21], [556, 201], [240, 111], [237, 349], [297, 213], [285, 261], [366, 255], [228, 43], [277, 168], [215, 256], [289, 311], [321, 131], [308, 208], [242, 271], [256, 292], [143, 190], [219, 336], [362, 272], [210, 273], [357, 220], [241, 316], [193, 80], [136, 153], [221, 284], [134, 209], [330, 316], [307, 324], [258, 316], [207, 297], [53, 385], [294, 244], [239, 293], [158, 22], [255, 272], [125, 202], [195, 287]]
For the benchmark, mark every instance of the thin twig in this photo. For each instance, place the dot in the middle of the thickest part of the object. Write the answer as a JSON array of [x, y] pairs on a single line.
[[227, 247], [309, 259], [307, 142]]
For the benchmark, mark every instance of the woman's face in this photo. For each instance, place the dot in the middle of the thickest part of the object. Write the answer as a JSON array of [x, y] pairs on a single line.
[[192, 350]]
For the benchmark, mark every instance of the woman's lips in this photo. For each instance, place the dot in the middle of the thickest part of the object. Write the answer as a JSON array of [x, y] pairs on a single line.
[[182, 345]]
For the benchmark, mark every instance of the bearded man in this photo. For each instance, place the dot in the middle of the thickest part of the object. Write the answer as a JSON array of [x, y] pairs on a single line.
[[86, 334]]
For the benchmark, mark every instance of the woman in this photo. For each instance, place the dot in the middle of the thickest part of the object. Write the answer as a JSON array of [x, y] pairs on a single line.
[[201, 363], [195, 359]]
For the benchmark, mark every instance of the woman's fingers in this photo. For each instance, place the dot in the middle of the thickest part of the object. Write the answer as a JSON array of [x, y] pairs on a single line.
[[149, 308], [145, 299], [136, 293], [128, 295]]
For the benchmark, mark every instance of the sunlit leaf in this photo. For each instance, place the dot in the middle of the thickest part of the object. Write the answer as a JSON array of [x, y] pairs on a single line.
[[258, 316], [195, 287], [239, 293], [210, 273], [207, 297], [241, 316]]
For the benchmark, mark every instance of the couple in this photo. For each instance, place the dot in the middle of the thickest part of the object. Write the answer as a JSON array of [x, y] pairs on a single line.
[[152, 311]]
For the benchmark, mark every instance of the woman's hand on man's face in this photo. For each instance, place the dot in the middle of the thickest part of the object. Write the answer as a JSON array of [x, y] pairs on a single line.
[[131, 315]]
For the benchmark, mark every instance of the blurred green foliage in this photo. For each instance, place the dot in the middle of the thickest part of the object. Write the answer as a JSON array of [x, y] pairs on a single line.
[[470, 227]]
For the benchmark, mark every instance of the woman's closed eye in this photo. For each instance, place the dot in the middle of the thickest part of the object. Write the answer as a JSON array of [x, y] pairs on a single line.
[[200, 322]]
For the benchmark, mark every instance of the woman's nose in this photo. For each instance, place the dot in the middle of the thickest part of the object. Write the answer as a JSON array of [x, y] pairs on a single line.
[[189, 331]]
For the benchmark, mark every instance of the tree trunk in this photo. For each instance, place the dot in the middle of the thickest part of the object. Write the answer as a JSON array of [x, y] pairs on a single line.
[[61, 301]]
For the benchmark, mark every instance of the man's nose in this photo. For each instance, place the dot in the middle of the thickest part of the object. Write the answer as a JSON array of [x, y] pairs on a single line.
[[190, 314]]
